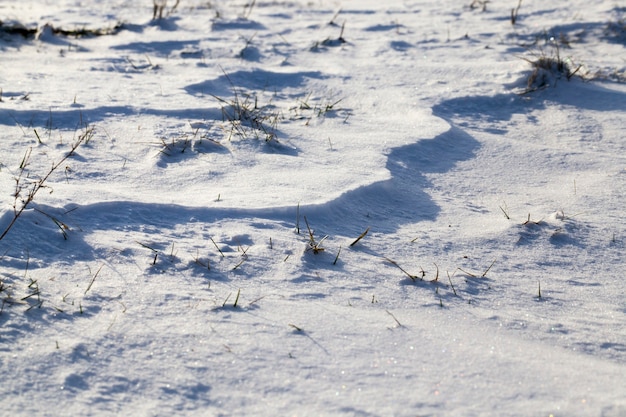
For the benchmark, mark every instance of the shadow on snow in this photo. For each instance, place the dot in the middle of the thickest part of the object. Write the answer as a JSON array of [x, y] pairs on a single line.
[[78, 117], [384, 205]]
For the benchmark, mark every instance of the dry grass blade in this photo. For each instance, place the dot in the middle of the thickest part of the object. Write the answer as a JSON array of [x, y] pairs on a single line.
[[217, 247], [515, 12], [391, 261], [93, 279], [156, 252], [436, 274], [337, 257], [451, 285], [361, 236], [394, 317], [62, 226], [467, 273], [239, 264], [488, 268]]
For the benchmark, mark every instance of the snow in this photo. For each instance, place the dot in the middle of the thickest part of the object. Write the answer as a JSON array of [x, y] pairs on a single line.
[[195, 255]]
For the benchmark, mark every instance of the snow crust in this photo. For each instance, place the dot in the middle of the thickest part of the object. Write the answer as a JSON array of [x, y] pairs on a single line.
[[198, 253]]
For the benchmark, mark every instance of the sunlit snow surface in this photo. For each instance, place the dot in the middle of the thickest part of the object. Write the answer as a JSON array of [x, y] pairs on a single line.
[[195, 255]]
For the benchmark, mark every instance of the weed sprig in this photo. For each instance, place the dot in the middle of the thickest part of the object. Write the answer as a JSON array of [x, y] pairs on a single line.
[[26, 191], [246, 116], [314, 245], [547, 69]]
